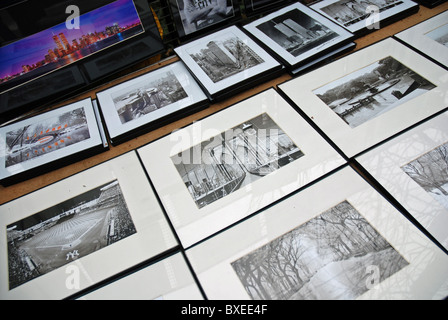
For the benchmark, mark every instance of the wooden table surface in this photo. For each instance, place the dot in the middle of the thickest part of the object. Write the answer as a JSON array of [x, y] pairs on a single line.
[[15, 191]]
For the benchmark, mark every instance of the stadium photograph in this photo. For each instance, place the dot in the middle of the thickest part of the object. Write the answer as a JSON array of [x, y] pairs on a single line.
[[67, 231]]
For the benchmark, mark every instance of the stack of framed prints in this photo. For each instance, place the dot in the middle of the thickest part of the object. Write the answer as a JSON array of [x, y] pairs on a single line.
[[429, 37], [361, 17], [337, 239], [370, 95], [80, 231], [150, 101], [169, 279], [298, 36], [44, 142], [193, 18], [413, 168], [227, 62], [219, 170]]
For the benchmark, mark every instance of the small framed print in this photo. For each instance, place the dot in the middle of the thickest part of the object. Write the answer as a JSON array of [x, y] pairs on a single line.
[[194, 17], [150, 101], [226, 62], [361, 17], [325, 242], [225, 167], [297, 35], [41, 143], [168, 279], [370, 95], [80, 231], [260, 6], [413, 168], [429, 37]]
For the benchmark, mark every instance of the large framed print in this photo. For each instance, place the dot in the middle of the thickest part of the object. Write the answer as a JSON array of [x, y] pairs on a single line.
[[150, 101], [297, 34], [339, 239], [429, 37], [261, 6], [226, 62], [80, 231], [35, 145], [219, 170], [361, 17], [168, 279], [413, 169], [370, 95], [194, 17]]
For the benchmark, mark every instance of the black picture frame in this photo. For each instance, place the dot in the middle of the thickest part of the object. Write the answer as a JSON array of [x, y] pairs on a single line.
[[204, 16], [254, 7]]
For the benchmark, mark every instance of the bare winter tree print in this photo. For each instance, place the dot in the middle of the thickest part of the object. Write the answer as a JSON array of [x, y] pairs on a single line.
[[328, 257], [430, 171]]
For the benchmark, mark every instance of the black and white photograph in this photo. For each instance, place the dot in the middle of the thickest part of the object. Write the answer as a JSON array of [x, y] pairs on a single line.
[[192, 16], [145, 102], [235, 159], [49, 135], [364, 15], [429, 37], [224, 57], [324, 242], [296, 33], [325, 258], [68, 231], [227, 61], [430, 171], [28, 147], [372, 91]]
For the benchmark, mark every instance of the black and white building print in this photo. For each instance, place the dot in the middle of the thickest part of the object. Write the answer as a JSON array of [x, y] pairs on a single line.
[[297, 32], [372, 91], [349, 12], [234, 159], [199, 14], [224, 57], [332, 256], [430, 171], [37, 139], [440, 35], [70, 230], [148, 96]]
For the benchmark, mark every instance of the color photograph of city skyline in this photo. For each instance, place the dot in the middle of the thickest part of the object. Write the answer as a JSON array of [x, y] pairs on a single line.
[[58, 46]]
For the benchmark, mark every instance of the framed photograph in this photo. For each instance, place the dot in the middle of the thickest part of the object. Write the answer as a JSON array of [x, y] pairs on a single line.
[[371, 95], [413, 169], [323, 243], [226, 62], [41, 143], [150, 101], [194, 17], [297, 35], [78, 232], [227, 166], [429, 37], [168, 279], [361, 17], [260, 6]]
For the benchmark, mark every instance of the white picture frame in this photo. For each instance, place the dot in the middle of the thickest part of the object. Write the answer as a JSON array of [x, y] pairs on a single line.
[[418, 268], [355, 131], [387, 163], [168, 279], [193, 218], [313, 34], [429, 37], [223, 76], [73, 265], [150, 101], [361, 17], [37, 144]]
